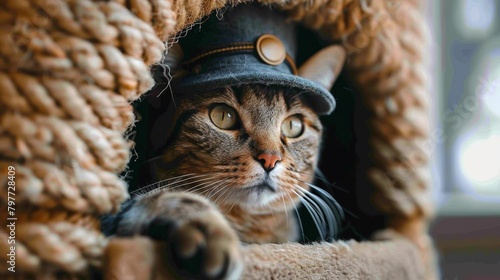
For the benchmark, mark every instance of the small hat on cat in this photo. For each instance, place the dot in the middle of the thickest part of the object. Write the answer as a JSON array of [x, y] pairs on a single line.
[[253, 44]]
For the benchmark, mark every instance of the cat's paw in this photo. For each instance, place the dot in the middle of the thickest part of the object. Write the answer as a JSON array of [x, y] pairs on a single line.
[[202, 246]]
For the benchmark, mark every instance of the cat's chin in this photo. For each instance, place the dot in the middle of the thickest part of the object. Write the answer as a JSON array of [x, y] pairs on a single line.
[[253, 208], [264, 201], [256, 198], [272, 208]]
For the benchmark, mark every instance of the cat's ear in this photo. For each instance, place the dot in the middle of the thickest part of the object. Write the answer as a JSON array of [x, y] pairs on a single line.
[[324, 66]]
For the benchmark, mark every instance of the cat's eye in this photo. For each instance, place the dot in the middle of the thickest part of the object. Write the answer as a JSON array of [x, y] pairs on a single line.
[[224, 117], [292, 127]]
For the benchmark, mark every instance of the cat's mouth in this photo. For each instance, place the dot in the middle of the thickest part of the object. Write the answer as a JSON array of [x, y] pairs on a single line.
[[265, 185], [262, 187], [261, 192]]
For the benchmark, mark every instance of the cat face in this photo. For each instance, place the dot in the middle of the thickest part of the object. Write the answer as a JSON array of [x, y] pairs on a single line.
[[254, 146]]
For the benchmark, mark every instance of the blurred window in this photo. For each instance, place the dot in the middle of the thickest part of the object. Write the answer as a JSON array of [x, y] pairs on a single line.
[[467, 38]]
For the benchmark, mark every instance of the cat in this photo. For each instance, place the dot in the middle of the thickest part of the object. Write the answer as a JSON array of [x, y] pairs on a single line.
[[237, 163]]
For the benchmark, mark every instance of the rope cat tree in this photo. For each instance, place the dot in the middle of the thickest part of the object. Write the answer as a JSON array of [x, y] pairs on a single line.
[[70, 68]]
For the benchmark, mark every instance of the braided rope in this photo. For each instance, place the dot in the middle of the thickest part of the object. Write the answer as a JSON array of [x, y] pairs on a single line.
[[393, 84], [68, 70]]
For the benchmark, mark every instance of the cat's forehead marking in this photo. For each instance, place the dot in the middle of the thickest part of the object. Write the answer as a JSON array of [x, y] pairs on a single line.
[[225, 95]]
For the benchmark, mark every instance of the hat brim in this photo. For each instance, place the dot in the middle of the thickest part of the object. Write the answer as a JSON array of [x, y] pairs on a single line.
[[320, 99]]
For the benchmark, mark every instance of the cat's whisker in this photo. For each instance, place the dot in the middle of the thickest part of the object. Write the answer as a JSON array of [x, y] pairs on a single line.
[[227, 193], [154, 185], [297, 213], [234, 203], [178, 177], [208, 193], [313, 214], [322, 178], [284, 205], [203, 188], [306, 195], [320, 207], [224, 190], [208, 189], [140, 192], [217, 189], [336, 206], [332, 202], [175, 181], [325, 210], [173, 187], [212, 191], [185, 182], [204, 185]]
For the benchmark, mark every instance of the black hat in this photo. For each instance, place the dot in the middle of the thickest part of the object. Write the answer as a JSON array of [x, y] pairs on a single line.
[[246, 44]]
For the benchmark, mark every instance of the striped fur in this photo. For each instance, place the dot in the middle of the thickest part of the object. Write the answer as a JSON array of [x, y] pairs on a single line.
[[226, 159]]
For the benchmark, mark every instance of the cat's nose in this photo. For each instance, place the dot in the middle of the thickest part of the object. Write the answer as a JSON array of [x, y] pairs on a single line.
[[268, 160]]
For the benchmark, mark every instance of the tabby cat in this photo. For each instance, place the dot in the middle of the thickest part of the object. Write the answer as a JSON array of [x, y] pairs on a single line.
[[237, 163]]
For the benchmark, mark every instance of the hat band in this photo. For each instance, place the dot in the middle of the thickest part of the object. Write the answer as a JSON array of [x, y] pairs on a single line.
[[235, 48]]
